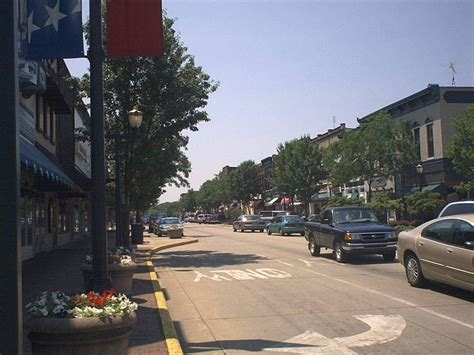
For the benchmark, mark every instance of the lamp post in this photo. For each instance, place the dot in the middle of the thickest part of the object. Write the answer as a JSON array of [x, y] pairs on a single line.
[[135, 118], [419, 170]]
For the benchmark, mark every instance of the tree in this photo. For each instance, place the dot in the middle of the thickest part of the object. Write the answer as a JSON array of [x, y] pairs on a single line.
[[382, 204], [172, 92], [378, 148], [461, 149], [424, 205], [188, 201], [337, 201], [298, 168], [243, 182]]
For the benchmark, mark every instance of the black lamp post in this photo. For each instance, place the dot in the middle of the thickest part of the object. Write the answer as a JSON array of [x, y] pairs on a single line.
[[419, 170], [135, 118]]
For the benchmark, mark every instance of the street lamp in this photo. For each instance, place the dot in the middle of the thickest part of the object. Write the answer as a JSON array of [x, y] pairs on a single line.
[[419, 170], [135, 118]]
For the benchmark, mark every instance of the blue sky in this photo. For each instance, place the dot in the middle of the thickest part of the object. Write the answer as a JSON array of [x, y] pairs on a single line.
[[287, 67]]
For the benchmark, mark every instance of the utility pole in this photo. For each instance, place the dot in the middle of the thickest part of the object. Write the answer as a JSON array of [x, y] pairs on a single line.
[[11, 327], [100, 279]]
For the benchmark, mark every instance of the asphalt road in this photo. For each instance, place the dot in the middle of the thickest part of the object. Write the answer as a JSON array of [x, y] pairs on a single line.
[[249, 292]]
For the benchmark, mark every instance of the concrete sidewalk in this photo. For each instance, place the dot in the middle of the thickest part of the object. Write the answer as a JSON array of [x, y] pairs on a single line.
[[60, 270]]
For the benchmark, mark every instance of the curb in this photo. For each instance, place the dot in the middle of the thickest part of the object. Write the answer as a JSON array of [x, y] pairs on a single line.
[[171, 338], [169, 331]]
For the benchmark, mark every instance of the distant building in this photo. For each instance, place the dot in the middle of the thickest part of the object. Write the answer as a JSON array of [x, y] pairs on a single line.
[[227, 170], [430, 113]]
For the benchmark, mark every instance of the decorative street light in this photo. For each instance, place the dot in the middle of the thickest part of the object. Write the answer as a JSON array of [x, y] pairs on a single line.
[[419, 170], [135, 119]]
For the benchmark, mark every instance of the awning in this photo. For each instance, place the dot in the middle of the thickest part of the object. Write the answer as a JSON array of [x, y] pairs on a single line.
[[34, 159], [271, 202]]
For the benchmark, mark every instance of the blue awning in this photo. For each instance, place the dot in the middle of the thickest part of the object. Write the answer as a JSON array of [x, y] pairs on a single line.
[[34, 159]]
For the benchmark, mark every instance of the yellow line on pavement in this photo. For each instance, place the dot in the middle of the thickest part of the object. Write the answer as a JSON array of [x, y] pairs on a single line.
[[172, 342]]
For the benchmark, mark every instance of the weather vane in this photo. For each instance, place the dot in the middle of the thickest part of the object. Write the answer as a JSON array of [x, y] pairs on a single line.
[[453, 72]]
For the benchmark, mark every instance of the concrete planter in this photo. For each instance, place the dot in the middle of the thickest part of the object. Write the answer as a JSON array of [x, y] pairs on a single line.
[[91, 336], [120, 275]]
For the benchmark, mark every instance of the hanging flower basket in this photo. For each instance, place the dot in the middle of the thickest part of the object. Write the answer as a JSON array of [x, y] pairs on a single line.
[[80, 324], [121, 269]]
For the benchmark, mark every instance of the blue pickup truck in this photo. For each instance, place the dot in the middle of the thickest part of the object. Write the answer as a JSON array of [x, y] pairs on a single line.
[[350, 230]]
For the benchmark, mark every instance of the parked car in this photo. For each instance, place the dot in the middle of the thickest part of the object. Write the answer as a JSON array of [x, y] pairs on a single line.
[[168, 223], [454, 208], [212, 219], [351, 230], [286, 225], [440, 250], [248, 222], [269, 215]]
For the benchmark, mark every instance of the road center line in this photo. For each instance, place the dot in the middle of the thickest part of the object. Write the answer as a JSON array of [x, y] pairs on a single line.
[[285, 263], [307, 263], [408, 303]]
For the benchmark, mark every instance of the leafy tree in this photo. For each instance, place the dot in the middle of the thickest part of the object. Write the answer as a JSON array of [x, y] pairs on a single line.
[[338, 201], [172, 92], [188, 201], [207, 197], [461, 149], [170, 208], [244, 183], [379, 147], [298, 168], [424, 205], [382, 204]]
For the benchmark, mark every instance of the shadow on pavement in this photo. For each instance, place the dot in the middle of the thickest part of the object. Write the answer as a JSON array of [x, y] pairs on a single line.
[[203, 258], [252, 345]]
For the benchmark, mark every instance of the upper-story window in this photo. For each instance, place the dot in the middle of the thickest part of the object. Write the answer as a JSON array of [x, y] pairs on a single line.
[[39, 113], [45, 119], [430, 140], [416, 141]]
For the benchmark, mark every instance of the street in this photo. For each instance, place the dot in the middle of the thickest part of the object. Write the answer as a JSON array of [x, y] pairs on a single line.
[[237, 292]]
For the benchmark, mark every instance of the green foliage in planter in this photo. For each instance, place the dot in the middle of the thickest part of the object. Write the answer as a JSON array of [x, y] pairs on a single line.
[[424, 205]]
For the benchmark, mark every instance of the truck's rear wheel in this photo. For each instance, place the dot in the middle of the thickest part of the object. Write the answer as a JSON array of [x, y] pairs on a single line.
[[339, 253], [314, 249]]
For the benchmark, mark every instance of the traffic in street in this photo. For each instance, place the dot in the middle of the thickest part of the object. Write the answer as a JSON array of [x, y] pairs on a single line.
[[249, 291]]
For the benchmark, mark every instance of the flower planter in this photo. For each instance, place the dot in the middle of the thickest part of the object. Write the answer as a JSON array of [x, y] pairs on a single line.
[[89, 336], [121, 276]]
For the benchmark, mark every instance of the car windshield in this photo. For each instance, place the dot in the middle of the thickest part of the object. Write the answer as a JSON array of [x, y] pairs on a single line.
[[459, 208], [251, 218], [170, 221], [358, 215], [293, 219]]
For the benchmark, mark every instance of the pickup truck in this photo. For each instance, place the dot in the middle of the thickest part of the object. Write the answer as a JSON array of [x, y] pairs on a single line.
[[351, 230]]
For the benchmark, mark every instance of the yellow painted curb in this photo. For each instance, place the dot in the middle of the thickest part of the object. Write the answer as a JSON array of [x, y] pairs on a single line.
[[177, 244], [172, 342]]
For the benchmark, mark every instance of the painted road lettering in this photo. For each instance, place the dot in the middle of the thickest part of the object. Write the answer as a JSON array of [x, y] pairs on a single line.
[[241, 275]]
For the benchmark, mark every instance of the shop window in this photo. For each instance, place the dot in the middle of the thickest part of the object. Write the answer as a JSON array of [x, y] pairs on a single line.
[[26, 221], [77, 221], [50, 216], [63, 225], [430, 140]]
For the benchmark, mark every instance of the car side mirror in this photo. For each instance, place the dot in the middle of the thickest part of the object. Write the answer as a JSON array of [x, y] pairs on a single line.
[[325, 221], [469, 245]]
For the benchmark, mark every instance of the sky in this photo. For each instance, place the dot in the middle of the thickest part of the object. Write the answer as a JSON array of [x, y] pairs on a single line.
[[287, 67]]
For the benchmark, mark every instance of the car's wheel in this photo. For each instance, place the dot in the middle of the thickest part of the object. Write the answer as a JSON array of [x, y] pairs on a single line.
[[241, 230], [235, 230], [339, 253], [261, 230], [314, 249], [413, 271], [280, 231], [269, 232], [389, 256]]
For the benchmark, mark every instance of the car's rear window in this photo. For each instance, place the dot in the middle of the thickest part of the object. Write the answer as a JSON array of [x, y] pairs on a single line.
[[459, 208], [170, 221], [252, 218], [293, 218]]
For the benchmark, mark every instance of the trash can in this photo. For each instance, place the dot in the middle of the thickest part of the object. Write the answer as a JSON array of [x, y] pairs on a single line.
[[137, 233]]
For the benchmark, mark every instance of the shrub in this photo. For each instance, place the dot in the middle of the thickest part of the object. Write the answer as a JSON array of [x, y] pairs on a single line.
[[424, 205]]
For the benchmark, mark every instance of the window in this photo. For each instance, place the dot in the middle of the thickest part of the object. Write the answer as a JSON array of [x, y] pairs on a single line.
[[458, 208], [50, 216], [327, 215], [439, 231], [63, 225], [416, 141], [26, 220], [45, 118], [430, 140], [463, 232], [52, 126], [39, 113]]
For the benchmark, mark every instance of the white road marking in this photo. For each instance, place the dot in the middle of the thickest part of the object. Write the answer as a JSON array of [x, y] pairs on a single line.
[[262, 256], [408, 303], [285, 263], [383, 329], [247, 274], [308, 263]]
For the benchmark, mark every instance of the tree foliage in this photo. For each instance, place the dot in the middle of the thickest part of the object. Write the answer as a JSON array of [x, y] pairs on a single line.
[[377, 148], [188, 201], [381, 204], [424, 205], [172, 92], [461, 149], [298, 168], [243, 182], [338, 201]]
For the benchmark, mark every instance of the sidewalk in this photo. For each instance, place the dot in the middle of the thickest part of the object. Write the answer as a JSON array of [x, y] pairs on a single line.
[[59, 270]]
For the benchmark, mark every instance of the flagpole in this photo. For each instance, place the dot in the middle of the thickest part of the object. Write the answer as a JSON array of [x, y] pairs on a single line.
[[100, 280], [11, 328]]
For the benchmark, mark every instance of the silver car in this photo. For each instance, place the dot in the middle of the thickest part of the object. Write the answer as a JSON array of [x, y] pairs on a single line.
[[441, 250], [249, 222]]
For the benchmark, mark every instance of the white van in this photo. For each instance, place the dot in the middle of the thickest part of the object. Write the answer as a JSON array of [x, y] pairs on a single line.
[[269, 215]]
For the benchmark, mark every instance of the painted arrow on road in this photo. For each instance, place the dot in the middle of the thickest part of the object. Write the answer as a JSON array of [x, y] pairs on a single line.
[[383, 329]]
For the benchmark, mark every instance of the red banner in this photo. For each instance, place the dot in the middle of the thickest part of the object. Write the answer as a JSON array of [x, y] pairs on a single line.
[[134, 28]]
